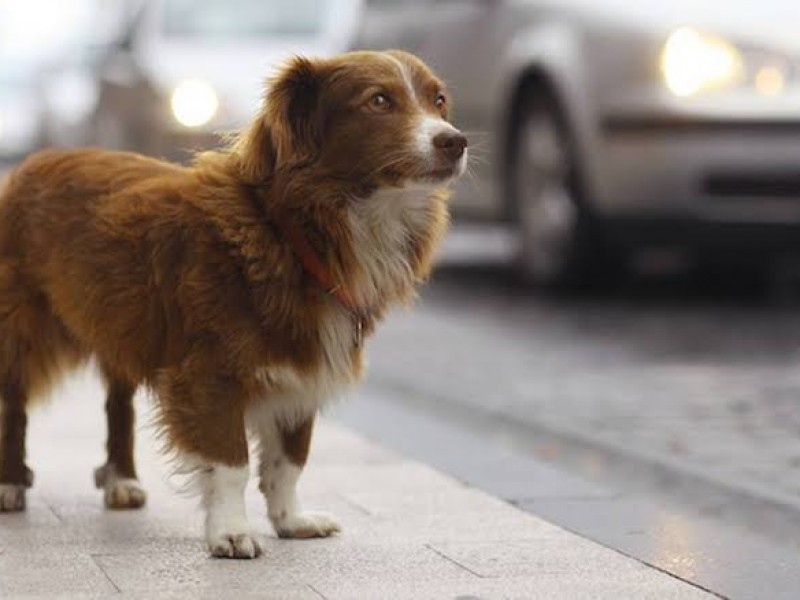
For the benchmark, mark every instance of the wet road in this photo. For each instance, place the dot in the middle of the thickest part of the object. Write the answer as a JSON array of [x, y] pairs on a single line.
[[706, 380], [684, 397]]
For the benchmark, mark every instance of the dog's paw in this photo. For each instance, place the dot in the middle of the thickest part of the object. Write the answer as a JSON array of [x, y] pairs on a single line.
[[119, 493], [305, 525], [124, 494], [233, 545], [12, 497]]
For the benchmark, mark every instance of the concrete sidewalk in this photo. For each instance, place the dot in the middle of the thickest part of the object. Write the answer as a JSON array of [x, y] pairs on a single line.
[[408, 531]]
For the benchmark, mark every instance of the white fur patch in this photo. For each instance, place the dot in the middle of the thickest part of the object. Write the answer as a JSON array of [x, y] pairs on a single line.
[[278, 482], [428, 128], [227, 529], [294, 396], [382, 227], [406, 76]]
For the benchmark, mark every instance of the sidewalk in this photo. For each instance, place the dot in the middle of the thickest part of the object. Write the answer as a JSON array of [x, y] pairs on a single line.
[[408, 531]]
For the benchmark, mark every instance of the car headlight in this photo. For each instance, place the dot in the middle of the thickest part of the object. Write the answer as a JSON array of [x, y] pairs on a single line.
[[194, 103], [771, 79], [694, 62]]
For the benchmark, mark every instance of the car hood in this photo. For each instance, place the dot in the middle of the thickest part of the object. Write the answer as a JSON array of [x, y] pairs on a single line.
[[768, 23]]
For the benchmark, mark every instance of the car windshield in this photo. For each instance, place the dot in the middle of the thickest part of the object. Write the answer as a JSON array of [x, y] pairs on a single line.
[[243, 18]]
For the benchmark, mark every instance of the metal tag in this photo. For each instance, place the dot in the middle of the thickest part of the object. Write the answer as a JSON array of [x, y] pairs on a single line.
[[359, 331]]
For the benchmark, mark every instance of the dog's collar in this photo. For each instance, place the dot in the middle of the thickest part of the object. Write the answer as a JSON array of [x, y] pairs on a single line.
[[362, 316], [313, 265]]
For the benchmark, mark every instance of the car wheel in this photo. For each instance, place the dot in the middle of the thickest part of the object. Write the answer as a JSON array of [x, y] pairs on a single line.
[[558, 242]]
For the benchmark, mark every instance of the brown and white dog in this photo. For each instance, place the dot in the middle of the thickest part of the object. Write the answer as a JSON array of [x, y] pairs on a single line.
[[238, 289]]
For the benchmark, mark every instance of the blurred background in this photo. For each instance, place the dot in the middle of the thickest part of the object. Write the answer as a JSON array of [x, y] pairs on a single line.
[[612, 338]]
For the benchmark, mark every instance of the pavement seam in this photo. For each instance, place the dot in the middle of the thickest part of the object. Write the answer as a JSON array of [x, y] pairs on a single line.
[[316, 591], [642, 562], [56, 514], [679, 578], [102, 570], [454, 561], [352, 503], [520, 501]]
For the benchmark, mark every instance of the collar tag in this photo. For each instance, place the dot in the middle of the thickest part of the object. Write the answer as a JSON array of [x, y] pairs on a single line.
[[359, 331]]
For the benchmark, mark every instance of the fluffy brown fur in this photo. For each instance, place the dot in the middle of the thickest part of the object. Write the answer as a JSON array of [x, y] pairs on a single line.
[[179, 278]]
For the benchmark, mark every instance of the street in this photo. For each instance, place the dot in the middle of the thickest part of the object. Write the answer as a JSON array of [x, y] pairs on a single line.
[[700, 379], [681, 395]]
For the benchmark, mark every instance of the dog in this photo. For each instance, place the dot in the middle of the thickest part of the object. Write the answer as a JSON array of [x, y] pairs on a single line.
[[239, 289]]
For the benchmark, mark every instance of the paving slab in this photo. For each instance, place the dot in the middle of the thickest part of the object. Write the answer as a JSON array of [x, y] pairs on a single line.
[[408, 531]]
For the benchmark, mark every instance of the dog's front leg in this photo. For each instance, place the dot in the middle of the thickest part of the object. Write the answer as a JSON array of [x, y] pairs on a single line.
[[228, 533], [203, 416], [284, 450]]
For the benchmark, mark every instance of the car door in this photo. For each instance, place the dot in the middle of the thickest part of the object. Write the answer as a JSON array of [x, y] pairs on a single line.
[[464, 42]]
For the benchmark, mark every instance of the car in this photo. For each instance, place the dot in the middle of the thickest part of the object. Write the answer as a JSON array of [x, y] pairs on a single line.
[[176, 74], [28, 45], [610, 127], [20, 111]]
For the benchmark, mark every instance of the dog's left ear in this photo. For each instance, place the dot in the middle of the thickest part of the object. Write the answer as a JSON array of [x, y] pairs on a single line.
[[294, 115], [288, 132]]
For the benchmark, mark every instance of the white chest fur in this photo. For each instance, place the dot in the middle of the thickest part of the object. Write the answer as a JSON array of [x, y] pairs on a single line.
[[382, 227], [296, 394]]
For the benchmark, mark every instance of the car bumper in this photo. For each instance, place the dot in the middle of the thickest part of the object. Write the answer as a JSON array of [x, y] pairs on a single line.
[[738, 241], [706, 169]]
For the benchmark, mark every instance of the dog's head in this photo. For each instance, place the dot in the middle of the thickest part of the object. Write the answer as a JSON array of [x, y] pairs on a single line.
[[378, 118]]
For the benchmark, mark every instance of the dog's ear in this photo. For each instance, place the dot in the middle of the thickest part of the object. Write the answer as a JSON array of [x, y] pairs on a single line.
[[294, 115], [254, 151], [289, 129]]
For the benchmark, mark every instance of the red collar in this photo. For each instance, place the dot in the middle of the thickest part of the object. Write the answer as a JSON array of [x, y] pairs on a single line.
[[314, 266]]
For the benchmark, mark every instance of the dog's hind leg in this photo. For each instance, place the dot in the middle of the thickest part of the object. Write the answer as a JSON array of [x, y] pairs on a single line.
[[20, 329], [15, 476], [117, 477]]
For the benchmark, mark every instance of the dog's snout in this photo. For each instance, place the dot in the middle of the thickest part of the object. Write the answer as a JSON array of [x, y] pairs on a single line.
[[451, 144]]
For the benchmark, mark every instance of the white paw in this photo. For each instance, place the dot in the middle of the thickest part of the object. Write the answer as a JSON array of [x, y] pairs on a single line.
[[233, 545], [304, 525], [12, 497]]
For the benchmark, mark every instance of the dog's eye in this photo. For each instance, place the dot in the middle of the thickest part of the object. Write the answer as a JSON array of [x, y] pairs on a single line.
[[441, 100], [381, 102]]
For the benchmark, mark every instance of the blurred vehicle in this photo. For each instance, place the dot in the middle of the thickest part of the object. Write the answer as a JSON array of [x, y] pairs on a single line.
[[614, 126], [69, 96], [179, 72], [33, 35], [20, 110]]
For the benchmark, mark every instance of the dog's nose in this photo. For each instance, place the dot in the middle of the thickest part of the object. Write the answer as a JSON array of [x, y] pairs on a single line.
[[452, 145]]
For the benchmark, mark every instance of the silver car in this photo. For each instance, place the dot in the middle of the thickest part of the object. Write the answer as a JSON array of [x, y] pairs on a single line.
[[20, 111], [610, 125]]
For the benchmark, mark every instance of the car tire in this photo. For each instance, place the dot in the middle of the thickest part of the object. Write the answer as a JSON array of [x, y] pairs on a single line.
[[559, 243]]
